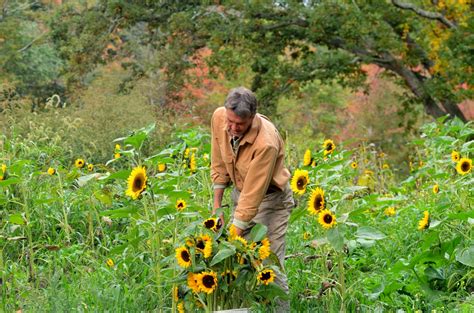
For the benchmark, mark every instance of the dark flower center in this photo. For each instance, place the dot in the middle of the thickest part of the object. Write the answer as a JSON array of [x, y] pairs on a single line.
[[327, 218], [465, 166], [329, 146], [185, 256], [200, 244], [301, 183], [208, 281], [318, 202], [266, 276], [209, 223], [180, 205], [138, 183]]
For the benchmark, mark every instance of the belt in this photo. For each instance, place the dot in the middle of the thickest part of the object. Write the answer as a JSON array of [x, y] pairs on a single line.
[[272, 189]]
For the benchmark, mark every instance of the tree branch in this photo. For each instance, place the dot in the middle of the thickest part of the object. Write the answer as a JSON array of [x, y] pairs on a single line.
[[430, 15], [32, 42]]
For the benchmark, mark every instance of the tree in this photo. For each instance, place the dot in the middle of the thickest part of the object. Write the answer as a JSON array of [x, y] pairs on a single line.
[[426, 46], [31, 66]]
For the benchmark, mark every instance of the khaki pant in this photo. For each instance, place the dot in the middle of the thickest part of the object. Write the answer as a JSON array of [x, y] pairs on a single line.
[[274, 212]]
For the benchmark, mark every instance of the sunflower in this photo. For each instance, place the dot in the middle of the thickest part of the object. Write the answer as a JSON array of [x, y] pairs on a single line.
[[180, 307], [385, 166], [232, 231], [90, 167], [314, 163], [211, 223], [326, 219], [299, 181], [183, 256], [193, 282], [306, 235], [4, 168], [204, 245], [354, 165], [117, 156], [117, 147], [266, 276], [180, 205], [307, 158], [328, 146], [161, 167], [136, 182], [264, 250], [435, 188], [79, 163], [110, 263], [316, 202], [424, 223], [455, 156], [51, 171], [464, 166], [229, 276], [389, 211], [175, 292], [192, 163], [241, 259], [186, 153], [207, 282], [241, 240]]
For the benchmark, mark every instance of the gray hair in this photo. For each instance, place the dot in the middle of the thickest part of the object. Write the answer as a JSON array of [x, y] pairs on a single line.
[[242, 102]]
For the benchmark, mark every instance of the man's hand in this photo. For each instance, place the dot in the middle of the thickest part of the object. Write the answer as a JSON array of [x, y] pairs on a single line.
[[221, 221]]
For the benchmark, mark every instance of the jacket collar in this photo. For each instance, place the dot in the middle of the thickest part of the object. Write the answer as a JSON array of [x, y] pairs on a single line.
[[252, 132]]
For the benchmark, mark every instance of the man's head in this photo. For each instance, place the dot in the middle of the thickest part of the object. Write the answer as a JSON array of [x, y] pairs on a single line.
[[241, 107]]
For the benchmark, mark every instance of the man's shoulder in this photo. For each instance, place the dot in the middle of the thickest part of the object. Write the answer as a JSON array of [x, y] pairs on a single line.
[[268, 134], [218, 116], [219, 112]]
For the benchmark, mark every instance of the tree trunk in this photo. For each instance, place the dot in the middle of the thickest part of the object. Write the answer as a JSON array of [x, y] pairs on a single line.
[[416, 86]]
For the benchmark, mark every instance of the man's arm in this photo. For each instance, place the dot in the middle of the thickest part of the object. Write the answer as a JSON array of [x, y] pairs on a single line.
[[218, 194]]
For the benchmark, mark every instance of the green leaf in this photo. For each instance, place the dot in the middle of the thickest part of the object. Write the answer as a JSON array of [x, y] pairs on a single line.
[[10, 181], [122, 174], [17, 219], [461, 216], [336, 238], [433, 273], [258, 232], [296, 214], [375, 292], [119, 213], [223, 253], [103, 197], [466, 256], [136, 140], [81, 181], [370, 233]]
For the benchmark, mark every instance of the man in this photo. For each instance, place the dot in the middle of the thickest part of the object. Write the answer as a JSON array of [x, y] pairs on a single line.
[[247, 151]]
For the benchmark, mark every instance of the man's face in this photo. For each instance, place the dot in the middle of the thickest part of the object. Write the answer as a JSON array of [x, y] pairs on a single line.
[[236, 125]]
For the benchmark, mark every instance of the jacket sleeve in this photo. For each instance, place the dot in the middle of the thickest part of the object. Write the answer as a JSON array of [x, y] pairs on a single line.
[[219, 174], [256, 183]]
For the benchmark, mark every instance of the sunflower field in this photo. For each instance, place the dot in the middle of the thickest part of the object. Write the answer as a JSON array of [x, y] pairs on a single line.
[[136, 233]]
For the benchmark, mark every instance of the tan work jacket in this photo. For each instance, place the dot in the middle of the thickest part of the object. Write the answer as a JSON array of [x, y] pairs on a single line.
[[256, 165]]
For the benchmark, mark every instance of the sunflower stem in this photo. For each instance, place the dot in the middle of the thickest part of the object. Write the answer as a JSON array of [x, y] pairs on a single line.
[[29, 236], [155, 245], [342, 278], [63, 206]]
